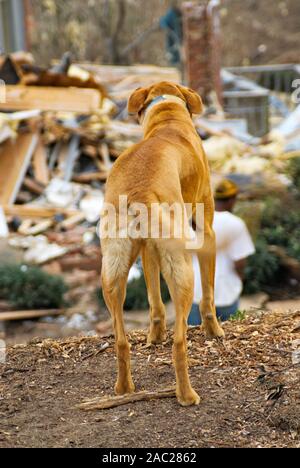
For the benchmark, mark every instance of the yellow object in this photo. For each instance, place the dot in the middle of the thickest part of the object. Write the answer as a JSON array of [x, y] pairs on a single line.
[[226, 189]]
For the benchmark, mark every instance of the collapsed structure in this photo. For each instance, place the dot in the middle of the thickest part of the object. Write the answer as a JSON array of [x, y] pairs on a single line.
[[61, 128]]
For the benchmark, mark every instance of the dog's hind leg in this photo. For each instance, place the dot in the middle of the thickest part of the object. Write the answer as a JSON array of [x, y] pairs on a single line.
[[117, 259], [151, 268], [178, 272], [207, 260]]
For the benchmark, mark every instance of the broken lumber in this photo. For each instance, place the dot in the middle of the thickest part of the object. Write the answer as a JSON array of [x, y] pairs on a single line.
[[72, 221], [87, 177], [33, 211], [113, 401], [104, 151], [29, 314], [54, 99], [10, 72], [72, 155], [39, 162], [15, 157], [80, 262], [33, 186], [32, 229]]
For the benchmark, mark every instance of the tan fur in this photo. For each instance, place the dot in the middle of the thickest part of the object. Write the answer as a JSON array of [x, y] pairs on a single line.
[[168, 166]]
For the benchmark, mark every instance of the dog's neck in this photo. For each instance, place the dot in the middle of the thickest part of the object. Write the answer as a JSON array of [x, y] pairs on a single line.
[[164, 98]]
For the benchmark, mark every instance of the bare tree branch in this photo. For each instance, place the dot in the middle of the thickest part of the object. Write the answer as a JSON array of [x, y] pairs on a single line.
[[139, 39], [113, 401], [121, 18]]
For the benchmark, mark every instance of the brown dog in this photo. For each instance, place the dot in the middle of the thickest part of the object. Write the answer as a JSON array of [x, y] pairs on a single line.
[[167, 166]]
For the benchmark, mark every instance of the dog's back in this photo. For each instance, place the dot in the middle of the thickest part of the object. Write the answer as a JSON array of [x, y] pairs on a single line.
[[166, 167]]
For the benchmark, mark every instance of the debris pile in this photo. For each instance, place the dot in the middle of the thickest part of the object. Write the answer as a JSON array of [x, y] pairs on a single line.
[[62, 127]]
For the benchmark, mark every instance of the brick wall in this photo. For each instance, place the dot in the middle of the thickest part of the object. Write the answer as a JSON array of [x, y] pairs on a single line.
[[202, 47]]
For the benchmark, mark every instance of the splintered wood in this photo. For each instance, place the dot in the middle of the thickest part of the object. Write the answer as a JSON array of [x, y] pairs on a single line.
[[15, 157], [32, 211], [40, 167], [29, 314], [45, 98]]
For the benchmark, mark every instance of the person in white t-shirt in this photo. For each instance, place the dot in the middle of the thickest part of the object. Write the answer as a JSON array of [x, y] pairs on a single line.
[[234, 245]]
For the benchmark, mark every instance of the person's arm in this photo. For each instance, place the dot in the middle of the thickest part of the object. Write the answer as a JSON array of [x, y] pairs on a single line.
[[241, 247], [240, 266]]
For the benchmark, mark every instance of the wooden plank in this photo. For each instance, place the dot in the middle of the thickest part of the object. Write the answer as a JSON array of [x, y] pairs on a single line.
[[80, 262], [39, 162], [60, 153], [28, 314], [87, 177], [15, 157], [72, 221], [34, 229], [104, 151], [73, 153], [33, 186], [32, 211], [47, 98], [54, 155]]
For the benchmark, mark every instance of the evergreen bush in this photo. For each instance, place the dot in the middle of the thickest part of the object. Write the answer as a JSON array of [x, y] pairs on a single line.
[[26, 287]]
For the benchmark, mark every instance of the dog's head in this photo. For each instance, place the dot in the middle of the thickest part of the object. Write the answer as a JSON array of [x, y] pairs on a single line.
[[142, 97]]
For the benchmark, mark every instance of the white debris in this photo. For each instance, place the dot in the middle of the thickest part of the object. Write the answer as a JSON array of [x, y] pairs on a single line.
[[3, 224]]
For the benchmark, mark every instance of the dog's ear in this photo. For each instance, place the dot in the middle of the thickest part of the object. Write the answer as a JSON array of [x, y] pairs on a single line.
[[193, 100], [136, 100]]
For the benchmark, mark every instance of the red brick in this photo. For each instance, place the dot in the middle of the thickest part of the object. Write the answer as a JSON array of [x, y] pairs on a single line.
[[202, 48]]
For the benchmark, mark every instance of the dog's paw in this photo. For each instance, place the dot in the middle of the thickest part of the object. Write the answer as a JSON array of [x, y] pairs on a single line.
[[156, 337], [190, 398], [121, 388], [212, 329]]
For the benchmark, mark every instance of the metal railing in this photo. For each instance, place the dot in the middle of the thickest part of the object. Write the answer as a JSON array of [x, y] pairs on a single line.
[[276, 78], [243, 98]]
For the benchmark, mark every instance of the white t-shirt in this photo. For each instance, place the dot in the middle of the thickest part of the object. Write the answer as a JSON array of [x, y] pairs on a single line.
[[233, 243]]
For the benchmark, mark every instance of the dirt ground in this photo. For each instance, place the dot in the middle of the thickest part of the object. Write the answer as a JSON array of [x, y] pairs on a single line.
[[250, 388]]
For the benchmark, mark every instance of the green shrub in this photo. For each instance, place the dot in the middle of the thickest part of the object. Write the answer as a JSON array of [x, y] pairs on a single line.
[[262, 269], [293, 171], [31, 288], [239, 316], [283, 229], [280, 223], [136, 296]]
